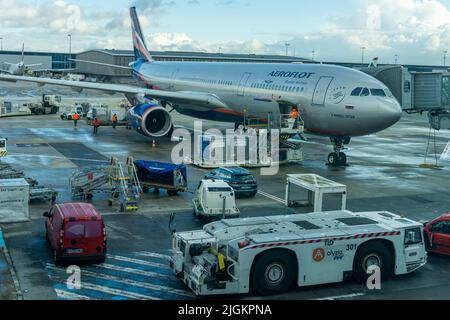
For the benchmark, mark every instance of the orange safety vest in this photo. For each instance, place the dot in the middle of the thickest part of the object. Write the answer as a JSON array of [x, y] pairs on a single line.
[[76, 117], [115, 119], [294, 114]]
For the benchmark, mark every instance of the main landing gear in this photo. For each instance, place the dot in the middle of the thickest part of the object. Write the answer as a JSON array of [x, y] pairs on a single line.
[[338, 158]]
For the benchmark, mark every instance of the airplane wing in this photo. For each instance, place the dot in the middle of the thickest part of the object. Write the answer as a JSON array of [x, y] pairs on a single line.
[[200, 99]]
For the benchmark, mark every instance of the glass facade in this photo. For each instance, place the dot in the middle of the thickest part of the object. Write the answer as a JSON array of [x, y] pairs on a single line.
[[59, 60]]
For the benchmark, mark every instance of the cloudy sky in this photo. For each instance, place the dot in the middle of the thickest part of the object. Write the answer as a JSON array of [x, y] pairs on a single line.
[[418, 31]]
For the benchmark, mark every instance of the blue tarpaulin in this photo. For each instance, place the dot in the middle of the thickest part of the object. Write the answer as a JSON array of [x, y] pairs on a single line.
[[159, 172]]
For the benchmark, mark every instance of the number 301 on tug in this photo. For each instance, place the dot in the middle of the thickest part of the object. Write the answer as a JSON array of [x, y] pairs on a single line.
[[270, 255]]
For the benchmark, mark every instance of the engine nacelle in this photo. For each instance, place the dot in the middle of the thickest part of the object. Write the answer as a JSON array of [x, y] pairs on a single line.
[[150, 120]]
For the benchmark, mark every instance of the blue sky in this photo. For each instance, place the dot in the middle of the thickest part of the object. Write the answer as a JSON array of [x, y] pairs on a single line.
[[418, 31]]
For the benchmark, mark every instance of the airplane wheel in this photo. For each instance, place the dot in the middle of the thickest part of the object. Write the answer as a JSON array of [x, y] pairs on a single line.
[[342, 159], [333, 159]]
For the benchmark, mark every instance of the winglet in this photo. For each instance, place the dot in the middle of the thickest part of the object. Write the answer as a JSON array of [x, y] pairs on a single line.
[[140, 48]]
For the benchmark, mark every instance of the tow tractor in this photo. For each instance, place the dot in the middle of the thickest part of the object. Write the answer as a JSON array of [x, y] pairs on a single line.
[[3, 151], [271, 254]]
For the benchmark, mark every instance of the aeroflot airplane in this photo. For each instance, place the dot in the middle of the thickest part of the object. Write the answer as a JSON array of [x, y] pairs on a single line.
[[334, 101]]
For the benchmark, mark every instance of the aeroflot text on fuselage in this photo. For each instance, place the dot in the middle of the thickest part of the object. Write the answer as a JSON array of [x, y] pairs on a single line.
[[295, 75]]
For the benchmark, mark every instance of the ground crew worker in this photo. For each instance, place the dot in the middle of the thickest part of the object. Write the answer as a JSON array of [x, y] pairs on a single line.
[[294, 115], [75, 118], [96, 124], [115, 119]]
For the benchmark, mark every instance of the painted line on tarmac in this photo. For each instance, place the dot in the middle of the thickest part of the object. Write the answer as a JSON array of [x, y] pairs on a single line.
[[56, 157], [348, 296], [153, 255], [135, 271], [70, 295], [270, 196], [138, 261], [129, 282], [108, 290]]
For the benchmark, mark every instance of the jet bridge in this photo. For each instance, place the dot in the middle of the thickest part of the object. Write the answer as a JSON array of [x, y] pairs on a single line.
[[418, 92]]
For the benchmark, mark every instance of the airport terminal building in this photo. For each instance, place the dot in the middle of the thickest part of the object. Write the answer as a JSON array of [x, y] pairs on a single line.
[[48, 60]]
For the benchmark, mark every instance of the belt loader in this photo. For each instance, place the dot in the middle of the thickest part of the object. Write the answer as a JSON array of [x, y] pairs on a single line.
[[271, 254]]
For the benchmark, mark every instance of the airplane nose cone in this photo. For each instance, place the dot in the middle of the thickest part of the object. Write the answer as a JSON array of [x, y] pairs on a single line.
[[390, 113]]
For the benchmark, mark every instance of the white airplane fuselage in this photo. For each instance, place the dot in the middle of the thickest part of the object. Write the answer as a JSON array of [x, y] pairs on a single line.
[[323, 93]]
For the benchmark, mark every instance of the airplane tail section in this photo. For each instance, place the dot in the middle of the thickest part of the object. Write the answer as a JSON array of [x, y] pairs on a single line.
[[139, 46]]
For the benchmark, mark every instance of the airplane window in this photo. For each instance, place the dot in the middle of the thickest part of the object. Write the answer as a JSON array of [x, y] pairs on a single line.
[[365, 92], [378, 92], [298, 89], [356, 92], [389, 93]]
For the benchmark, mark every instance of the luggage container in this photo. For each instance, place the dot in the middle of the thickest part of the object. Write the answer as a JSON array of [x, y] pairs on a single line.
[[161, 175]]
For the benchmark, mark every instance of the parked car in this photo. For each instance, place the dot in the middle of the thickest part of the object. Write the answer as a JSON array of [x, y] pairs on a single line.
[[437, 235], [75, 232], [215, 199], [240, 179]]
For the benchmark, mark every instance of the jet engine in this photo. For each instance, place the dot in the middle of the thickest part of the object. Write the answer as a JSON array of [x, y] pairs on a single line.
[[150, 120]]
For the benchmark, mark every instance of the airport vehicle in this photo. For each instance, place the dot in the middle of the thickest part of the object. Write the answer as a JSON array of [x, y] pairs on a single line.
[[67, 112], [69, 115], [160, 175], [240, 179], [215, 199], [437, 235], [17, 69], [333, 101], [271, 254], [3, 150], [75, 232], [105, 113], [53, 102]]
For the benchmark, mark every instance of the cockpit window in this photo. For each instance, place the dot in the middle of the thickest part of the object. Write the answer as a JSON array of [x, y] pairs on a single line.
[[389, 93], [356, 92], [365, 92], [378, 92]]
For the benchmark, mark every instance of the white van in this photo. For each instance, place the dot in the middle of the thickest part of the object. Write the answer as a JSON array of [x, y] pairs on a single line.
[[215, 198]]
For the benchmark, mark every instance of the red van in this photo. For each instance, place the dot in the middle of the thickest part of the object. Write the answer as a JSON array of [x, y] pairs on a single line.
[[76, 232]]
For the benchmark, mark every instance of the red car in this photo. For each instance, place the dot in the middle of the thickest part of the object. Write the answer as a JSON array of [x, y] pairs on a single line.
[[76, 232], [437, 235]]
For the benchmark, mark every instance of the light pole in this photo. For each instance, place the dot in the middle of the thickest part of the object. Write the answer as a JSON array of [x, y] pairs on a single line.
[[313, 54], [287, 48], [1, 44], [70, 50], [396, 59], [445, 57], [362, 50]]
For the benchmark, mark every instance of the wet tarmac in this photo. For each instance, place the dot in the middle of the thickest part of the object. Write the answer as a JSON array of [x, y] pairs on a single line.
[[384, 173]]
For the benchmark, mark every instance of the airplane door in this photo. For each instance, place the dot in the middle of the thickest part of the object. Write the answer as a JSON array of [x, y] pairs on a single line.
[[243, 83], [320, 92]]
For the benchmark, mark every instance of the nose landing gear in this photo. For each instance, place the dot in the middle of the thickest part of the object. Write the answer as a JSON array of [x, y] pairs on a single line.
[[338, 158]]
